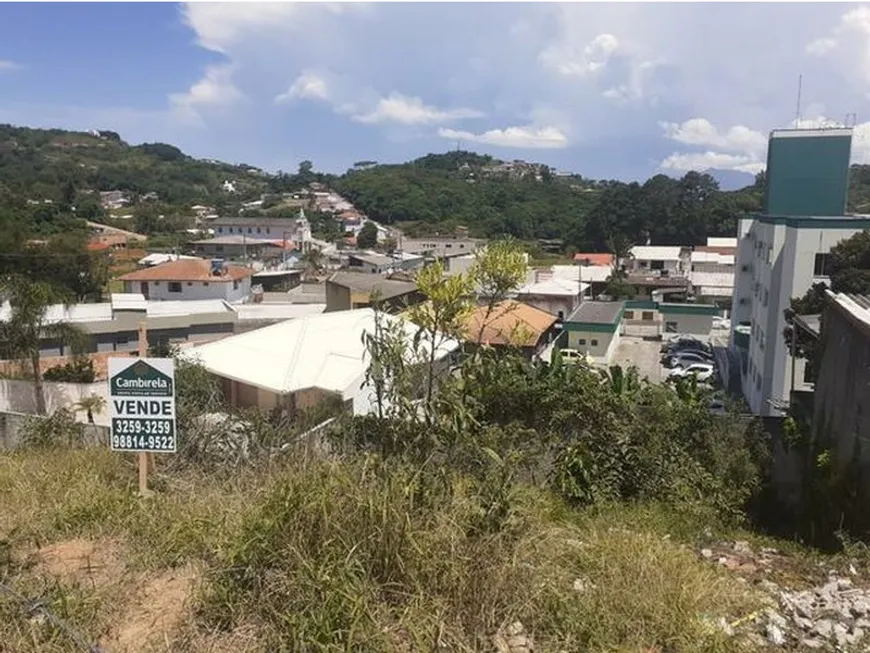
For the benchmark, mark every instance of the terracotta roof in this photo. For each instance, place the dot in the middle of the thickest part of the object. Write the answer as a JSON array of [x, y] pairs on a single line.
[[511, 322], [595, 258], [97, 246], [187, 270]]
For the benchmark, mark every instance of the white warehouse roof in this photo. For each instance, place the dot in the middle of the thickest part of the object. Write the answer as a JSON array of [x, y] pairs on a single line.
[[656, 252], [317, 351]]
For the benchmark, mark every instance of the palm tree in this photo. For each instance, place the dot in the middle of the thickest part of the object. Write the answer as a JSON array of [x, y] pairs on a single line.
[[92, 404], [28, 325]]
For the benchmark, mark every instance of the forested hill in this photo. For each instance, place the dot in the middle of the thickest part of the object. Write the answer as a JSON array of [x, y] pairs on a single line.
[[70, 168], [438, 192]]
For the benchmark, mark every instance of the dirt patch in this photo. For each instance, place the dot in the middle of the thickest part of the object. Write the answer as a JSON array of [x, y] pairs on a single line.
[[159, 604], [97, 563], [243, 639]]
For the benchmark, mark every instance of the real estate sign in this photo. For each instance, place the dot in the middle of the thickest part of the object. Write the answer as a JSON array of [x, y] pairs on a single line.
[[142, 404]]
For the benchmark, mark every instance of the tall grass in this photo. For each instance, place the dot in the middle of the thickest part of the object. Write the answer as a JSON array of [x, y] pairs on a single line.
[[355, 554]]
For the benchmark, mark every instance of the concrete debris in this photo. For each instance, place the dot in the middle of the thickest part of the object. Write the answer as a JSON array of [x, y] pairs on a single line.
[[832, 616], [513, 639]]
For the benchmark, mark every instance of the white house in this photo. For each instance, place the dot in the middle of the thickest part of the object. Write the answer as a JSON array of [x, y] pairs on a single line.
[[556, 295], [296, 231], [296, 365], [191, 279], [664, 260]]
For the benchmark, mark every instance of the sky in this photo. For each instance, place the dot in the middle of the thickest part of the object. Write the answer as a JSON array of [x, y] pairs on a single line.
[[616, 91]]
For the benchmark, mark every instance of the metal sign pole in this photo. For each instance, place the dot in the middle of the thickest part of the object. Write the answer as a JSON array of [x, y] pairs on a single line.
[[142, 455]]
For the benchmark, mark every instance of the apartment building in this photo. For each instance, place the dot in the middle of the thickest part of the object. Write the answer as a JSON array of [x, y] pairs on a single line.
[[784, 251]]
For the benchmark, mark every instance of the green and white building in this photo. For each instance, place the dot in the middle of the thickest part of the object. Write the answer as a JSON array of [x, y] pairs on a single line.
[[784, 251]]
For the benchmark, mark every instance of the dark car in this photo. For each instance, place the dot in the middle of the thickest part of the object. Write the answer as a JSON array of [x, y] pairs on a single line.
[[689, 345], [685, 341]]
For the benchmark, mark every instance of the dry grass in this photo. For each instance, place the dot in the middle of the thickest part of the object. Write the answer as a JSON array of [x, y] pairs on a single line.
[[337, 556]]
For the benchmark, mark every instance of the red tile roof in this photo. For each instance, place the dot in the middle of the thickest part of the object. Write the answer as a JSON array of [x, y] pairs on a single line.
[[595, 258], [188, 270]]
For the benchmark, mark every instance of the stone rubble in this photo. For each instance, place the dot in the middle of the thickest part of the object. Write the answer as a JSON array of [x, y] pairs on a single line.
[[833, 616]]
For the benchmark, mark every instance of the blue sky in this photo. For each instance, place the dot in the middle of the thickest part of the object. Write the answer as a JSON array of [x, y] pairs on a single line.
[[606, 90]]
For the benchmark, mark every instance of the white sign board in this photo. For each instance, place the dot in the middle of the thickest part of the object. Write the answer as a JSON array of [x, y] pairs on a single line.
[[142, 404]]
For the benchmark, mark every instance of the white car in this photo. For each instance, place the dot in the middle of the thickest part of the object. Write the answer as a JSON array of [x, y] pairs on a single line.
[[702, 371], [721, 323]]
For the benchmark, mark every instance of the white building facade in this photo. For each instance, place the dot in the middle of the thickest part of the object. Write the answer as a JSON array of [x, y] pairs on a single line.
[[778, 258]]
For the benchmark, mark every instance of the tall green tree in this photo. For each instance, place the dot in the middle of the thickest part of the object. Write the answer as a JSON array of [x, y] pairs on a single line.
[[29, 325], [368, 236]]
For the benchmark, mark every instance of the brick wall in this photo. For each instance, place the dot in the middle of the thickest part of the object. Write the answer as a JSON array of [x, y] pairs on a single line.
[[100, 360]]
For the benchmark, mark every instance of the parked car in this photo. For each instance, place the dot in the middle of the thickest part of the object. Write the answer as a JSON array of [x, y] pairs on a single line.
[[572, 356], [689, 345], [718, 406], [701, 371], [686, 358], [721, 323], [680, 340]]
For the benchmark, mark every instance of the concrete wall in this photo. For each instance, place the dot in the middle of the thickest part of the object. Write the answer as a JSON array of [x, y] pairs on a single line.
[[229, 291], [842, 395], [337, 297], [19, 397], [11, 423], [700, 325], [598, 344]]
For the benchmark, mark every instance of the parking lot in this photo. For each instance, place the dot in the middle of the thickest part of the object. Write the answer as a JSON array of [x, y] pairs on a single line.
[[646, 356]]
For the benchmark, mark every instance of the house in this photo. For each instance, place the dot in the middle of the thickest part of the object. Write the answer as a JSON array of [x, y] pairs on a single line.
[[158, 258], [113, 199], [784, 251], [277, 280], [350, 290], [236, 248], [594, 329], [653, 259], [370, 262], [114, 326], [598, 259], [511, 324], [439, 246], [191, 279], [292, 230], [594, 275], [298, 365], [547, 292]]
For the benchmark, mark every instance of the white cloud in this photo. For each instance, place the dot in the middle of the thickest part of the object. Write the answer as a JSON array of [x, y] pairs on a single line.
[[405, 110], [821, 46], [514, 137], [568, 59], [8, 66], [308, 86], [214, 91], [706, 160], [700, 131]]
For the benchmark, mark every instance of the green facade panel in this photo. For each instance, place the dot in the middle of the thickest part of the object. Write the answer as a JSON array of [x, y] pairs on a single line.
[[807, 175]]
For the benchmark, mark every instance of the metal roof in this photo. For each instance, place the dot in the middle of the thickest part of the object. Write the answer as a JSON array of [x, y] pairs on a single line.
[[596, 312], [317, 351], [656, 252]]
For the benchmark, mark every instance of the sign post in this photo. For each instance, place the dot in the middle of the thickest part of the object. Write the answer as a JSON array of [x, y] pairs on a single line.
[[142, 409]]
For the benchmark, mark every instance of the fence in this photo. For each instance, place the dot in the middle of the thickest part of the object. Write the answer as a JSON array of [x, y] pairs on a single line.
[[11, 424]]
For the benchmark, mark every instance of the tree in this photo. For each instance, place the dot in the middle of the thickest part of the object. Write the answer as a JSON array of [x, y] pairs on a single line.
[[498, 269], [92, 404], [312, 260], [368, 236], [28, 326]]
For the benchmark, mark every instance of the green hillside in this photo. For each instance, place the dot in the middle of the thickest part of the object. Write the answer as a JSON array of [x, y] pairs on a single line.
[[438, 192]]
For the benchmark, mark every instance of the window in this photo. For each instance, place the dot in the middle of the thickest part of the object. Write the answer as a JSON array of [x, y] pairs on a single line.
[[235, 285], [758, 382], [671, 327], [156, 283], [220, 230], [174, 286], [822, 265], [190, 283], [657, 265], [258, 230], [249, 230], [205, 283], [629, 315], [766, 297], [769, 253], [581, 341], [646, 316], [268, 231], [593, 342]]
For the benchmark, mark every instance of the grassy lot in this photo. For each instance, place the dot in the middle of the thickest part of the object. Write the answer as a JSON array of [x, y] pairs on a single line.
[[314, 555]]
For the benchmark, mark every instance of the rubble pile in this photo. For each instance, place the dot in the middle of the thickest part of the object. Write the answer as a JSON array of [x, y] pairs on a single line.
[[832, 615]]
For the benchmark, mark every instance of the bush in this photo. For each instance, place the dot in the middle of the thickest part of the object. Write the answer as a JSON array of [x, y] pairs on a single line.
[[58, 429], [79, 370]]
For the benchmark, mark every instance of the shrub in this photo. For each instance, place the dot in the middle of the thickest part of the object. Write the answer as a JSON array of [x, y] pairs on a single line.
[[78, 370]]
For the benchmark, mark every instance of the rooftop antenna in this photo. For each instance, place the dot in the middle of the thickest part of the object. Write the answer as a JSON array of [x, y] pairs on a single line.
[[797, 118]]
